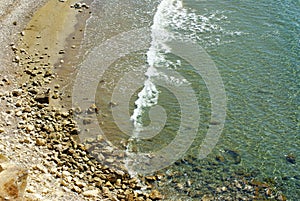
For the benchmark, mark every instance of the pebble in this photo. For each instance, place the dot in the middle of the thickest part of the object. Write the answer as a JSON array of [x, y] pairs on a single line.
[[19, 113], [17, 59], [87, 121], [17, 92], [2, 130], [40, 168], [156, 195], [14, 48], [63, 182], [65, 114], [110, 160], [77, 189], [224, 188], [207, 198], [22, 50], [281, 198], [238, 185], [105, 190], [61, 52], [40, 142], [19, 103], [91, 193], [65, 174], [30, 189], [180, 186], [29, 127], [80, 184]]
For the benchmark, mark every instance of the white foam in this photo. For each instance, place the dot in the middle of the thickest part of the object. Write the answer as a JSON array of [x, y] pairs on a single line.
[[147, 97], [170, 20], [155, 56]]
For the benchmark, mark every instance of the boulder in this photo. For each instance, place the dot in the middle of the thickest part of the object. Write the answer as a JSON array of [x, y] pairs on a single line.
[[13, 180]]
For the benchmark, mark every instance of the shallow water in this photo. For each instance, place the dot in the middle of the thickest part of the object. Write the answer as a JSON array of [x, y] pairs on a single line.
[[255, 47]]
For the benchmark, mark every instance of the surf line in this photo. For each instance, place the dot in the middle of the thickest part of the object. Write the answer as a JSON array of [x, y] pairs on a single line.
[[149, 95]]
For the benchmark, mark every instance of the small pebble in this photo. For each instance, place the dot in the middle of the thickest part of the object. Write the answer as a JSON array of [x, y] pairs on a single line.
[[30, 128], [90, 193]]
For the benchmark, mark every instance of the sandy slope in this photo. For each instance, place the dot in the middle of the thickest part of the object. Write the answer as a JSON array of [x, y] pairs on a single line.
[[13, 11], [16, 16]]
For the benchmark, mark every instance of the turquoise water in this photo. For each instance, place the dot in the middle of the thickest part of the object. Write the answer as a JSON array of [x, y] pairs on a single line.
[[255, 46]]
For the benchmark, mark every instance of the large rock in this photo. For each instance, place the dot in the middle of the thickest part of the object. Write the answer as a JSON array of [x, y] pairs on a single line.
[[12, 180]]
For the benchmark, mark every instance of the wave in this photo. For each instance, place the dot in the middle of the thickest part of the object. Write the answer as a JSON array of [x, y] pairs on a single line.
[[160, 35]]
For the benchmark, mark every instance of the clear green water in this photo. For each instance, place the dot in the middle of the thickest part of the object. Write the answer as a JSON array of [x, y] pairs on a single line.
[[256, 48], [261, 71]]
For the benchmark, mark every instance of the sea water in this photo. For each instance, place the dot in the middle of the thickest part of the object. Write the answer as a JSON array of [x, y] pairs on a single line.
[[255, 47]]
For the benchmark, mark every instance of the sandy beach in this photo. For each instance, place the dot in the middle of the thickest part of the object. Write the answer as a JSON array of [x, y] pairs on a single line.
[[40, 47], [25, 36]]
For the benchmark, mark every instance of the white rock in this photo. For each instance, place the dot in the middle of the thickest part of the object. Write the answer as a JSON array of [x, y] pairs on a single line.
[[30, 127], [80, 184], [30, 189], [19, 113], [66, 174], [16, 92], [90, 193]]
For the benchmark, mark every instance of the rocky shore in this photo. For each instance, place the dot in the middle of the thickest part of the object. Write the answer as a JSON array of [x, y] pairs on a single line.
[[41, 157], [38, 133]]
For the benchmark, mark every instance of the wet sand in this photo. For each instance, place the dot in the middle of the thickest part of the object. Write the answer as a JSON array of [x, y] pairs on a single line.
[[57, 30]]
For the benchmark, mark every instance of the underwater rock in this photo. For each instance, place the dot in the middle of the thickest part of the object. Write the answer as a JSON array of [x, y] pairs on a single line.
[[236, 157], [291, 158]]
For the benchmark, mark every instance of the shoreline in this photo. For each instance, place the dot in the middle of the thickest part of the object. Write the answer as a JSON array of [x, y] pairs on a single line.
[[39, 133], [43, 138]]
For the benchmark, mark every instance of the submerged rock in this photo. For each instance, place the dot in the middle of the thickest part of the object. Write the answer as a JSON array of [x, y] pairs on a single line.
[[233, 155], [291, 158]]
